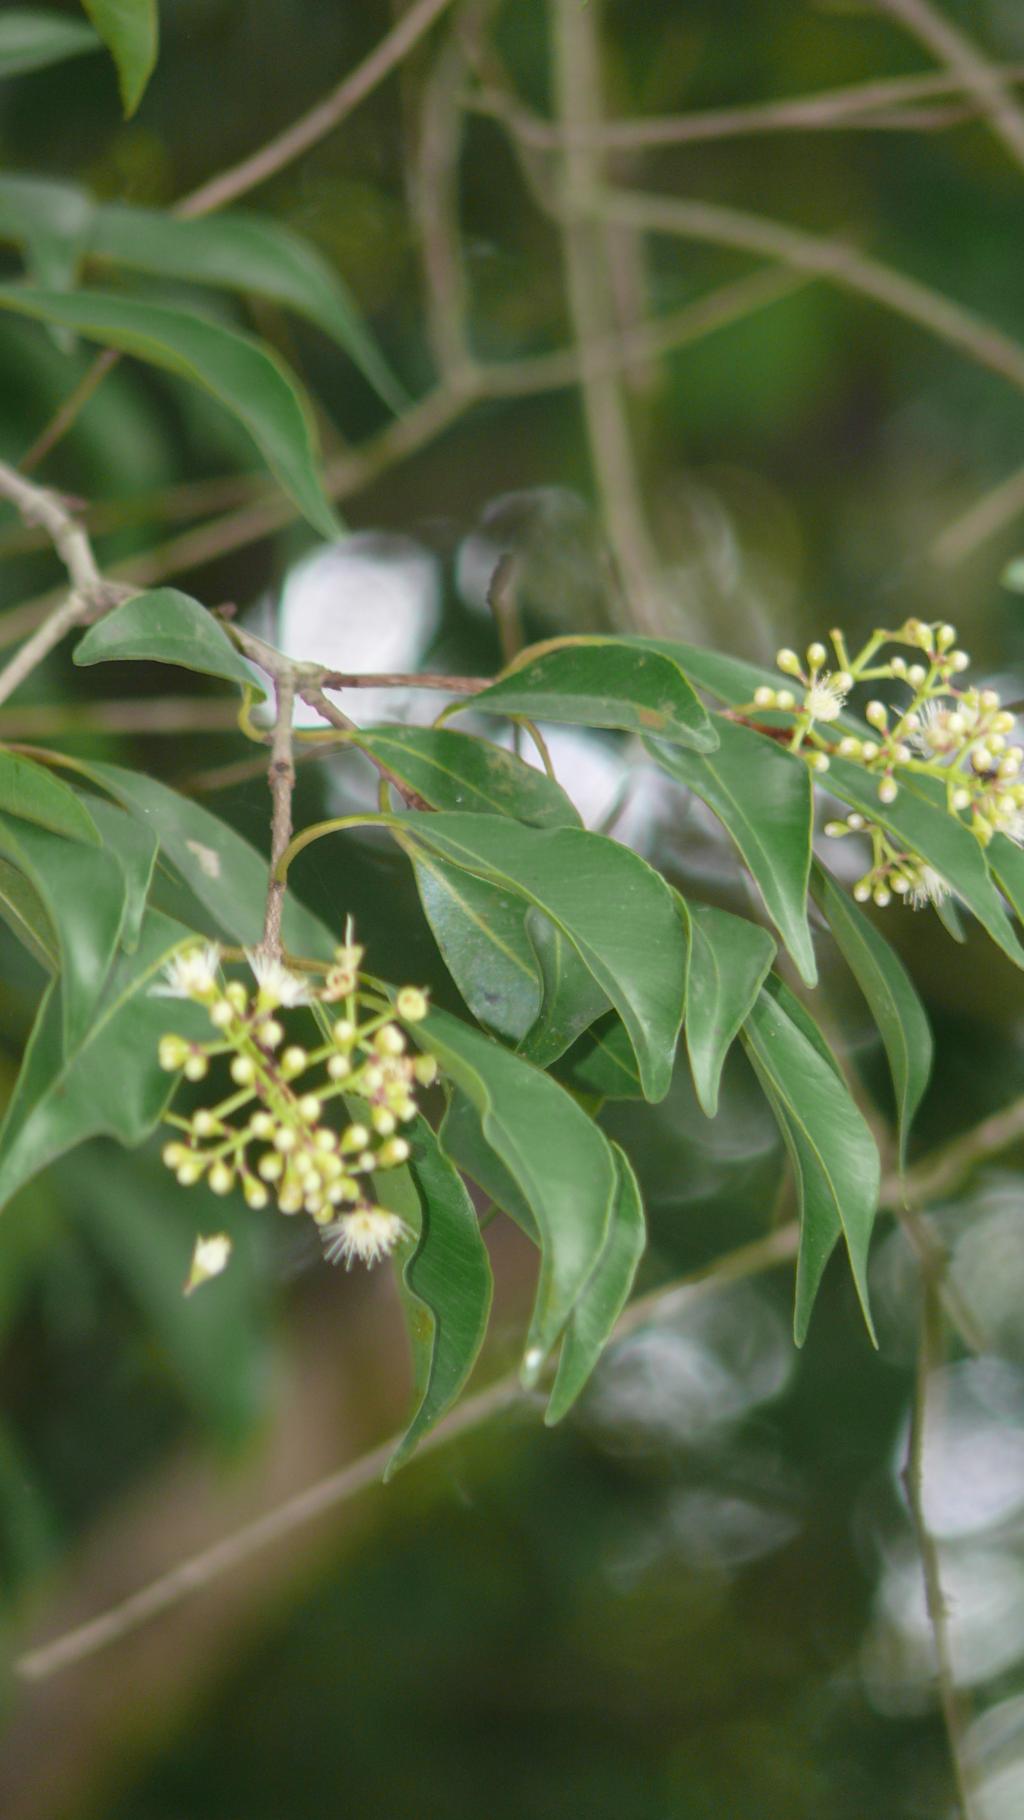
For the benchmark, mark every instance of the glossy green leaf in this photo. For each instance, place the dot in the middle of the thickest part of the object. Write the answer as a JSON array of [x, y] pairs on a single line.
[[572, 998], [762, 796], [456, 771], [887, 986], [34, 794], [136, 849], [164, 626], [32, 38], [246, 253], [26, 916], [50, 221], [480, 930], [626, 683], [727, 959], [920, 820], [111, 1083], [601, 1063], [615, 909], [1006, 863], [462, 1138], [593, 1319], [226, 874], [560, 1162], [831, 1149], [448, 1281], [130, 29], [244, 375], [85, 894]]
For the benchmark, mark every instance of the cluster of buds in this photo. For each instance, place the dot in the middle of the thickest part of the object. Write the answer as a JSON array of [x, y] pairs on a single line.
[[943, 729], [284, 1129]]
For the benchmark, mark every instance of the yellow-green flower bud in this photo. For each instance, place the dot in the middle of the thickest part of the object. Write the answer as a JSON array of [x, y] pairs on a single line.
[[293, 1061], [412, 1003], [196, 1067]]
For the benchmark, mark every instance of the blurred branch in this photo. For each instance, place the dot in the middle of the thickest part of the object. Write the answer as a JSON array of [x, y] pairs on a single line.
[[984, 519], [973, 72], [281, 778], [158, 714], [434, 189]]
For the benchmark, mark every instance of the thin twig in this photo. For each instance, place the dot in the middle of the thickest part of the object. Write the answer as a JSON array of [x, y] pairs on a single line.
[[971, 70], [394, 679], [984, 519], [281, 777], [316, 699]]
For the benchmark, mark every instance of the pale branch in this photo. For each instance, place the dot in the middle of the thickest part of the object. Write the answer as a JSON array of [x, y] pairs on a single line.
[[157, 714], [281, 778], [393, 679], [316, 699], [974, 74], [989, 515]]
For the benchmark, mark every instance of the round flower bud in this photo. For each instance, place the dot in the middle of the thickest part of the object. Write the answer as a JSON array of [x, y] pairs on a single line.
[[188, 1173], [868, 751], [989, 698], [881, 896], [875, 712], [172, 1053], [888, 790], [959, 660], [389, 1041], [1003, 722], [961, 799], [270, 1033], [343, 1031], [325, 1139], [383, 1121], [816, 654], [243, 1070], [338, 1067], [849, 747], [394, 1152], [836, 830], [290, 1199], [843, 680], [425, 1069], [293, 1061], [902, 754], [412, 1004], [900, 883], [764, 698], [945, 636], [205, 1123], [196, 1067], [174, 1155], [221, 1178], [237, 996], [356, 1137], [373, 1078], [255, 1195], [788, 662], [819, 761], [785, 699], [271, 1167], [366, 1162], [898, 666], [309, 1108], [862, 891], [221, 1013], [262, 1124], [917, 674], [285, 1140]]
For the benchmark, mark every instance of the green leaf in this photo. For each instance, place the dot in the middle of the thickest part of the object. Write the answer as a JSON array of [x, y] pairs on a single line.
[[448, 1283], [762, 796], [572, 998], [919, 820], [617, 912], [593, 1319], [244, 375], [480, 930], [111, 1083], [727, 960], [84, 892], [559, 1161], [457, 771], [50, 221], [26, 916], [136, 848], [32, 793], [227, 875], [831, 1148], [462, 1138], [1006, 863], [163, 626], [602, 1063], [886, 984], [31, 39], [247, 253], [632, 684], [130, 30], [1012, 576]]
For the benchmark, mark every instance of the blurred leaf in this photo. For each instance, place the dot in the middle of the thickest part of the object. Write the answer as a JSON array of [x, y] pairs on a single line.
[[244, 375], [247, 253], [163, 626], [762, 796], [130, 30], [727, 959], [448, 1280], [887, 986], [831, 1148], [1006, 862], [1013, 575], [29, 1529], [26, 916], [457, 771], [626, 683], [84, 891], [136, 848], [480, 930], [32, 793], [50, 221], [572, 998], [616, 910], [32, 39], [593, 1319], [558, 1159]]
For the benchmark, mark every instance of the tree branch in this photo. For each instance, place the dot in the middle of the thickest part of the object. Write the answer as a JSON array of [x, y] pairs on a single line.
[[972, 72]]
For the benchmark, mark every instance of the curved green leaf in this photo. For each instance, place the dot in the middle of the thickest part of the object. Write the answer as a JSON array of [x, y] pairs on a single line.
[[136, 849], [727, 959], [457, 771], [558, 1159], [762, 796], [26, 916], [572, 1000], [593, 1319], [50, 221], [831, 1148], [244, 375], [130, 29], [480, 930], [247, 253], [34, 794], [627, 683], [887, 986], [448, 1282], [164, 626], [1006, 863], [617, 912], [32, 39], [601, 1063], [84, 891]]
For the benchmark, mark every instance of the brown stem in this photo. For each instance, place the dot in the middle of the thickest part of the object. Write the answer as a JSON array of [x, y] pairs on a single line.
[[989, 85], [281, 777], [315, 698]]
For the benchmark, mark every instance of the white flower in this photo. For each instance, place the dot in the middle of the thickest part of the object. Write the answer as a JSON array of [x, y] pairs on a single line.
[[277, 984], [826, 697], [1012, 825], [209, 1258], [191, 973], [928, 888], [369, 1234], [944, 729]]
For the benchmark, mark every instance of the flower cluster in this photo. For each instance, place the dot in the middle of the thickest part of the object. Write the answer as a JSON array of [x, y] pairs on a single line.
[[944, 730], [284, 1129]]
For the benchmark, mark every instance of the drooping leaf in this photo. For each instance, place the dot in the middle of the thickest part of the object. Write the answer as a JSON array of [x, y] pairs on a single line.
[[164, 626], [462, 1138], [31, 38], [84, 891], [627, 683], [480, 931], [50, 221], [111, 1083], [762, 796], [32, 793], [919, 820], [448, 1280], [601, 1062], [572, 998], [26, 916], [727, 959], [616, 910], [130, 29], [456, 771], [1006, 863], [247, 253], [244, 375], [136, 848], [831, 1149], [887, 986], [560, 1162], [593, 1319]]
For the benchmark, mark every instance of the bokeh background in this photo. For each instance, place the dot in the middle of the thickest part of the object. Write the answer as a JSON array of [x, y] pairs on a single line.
[[701, 1597]]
